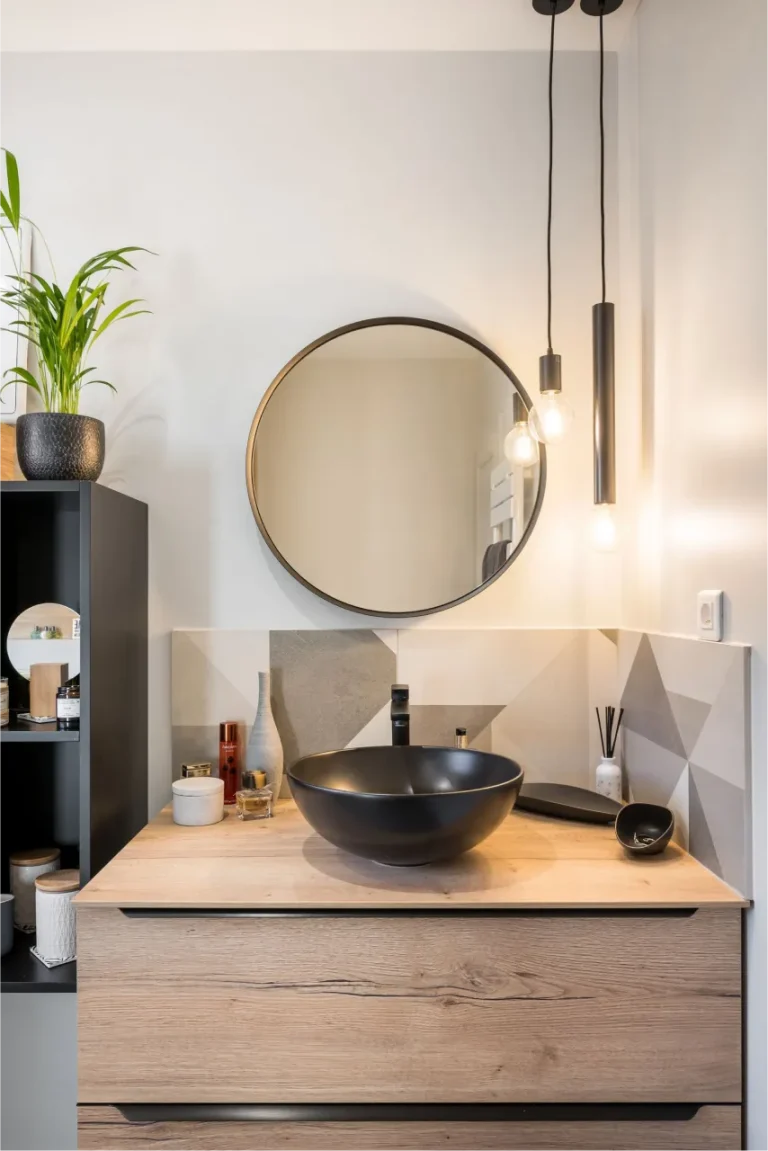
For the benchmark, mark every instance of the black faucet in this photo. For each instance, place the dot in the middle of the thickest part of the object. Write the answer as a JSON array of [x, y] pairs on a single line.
[[401, 717]]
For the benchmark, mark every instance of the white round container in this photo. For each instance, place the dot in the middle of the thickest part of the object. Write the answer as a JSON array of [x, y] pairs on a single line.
[[56, 941], [26, 866], [198, 801]]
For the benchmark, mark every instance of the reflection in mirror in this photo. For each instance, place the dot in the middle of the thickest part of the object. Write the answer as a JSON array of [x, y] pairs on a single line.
[[377, 467], [45, 633]]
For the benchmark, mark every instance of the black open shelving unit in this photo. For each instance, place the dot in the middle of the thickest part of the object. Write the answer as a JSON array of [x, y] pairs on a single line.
[[83, 545]]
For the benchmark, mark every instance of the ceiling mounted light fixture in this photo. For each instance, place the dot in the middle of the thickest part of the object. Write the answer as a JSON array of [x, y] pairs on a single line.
[[551, 417], [603, 354]]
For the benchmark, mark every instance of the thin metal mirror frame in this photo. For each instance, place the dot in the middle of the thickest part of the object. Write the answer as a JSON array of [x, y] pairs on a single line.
[[377, 322]]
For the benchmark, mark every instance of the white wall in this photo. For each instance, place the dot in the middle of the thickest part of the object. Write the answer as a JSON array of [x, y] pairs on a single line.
[[285, 194], [693, 206]]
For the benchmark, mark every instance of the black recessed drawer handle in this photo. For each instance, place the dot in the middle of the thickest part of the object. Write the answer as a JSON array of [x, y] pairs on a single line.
[[403, 1112], [407, 913]]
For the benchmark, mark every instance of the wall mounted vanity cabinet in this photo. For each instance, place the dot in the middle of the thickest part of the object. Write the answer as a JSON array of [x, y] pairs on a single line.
[[83, 547], [248, 986]]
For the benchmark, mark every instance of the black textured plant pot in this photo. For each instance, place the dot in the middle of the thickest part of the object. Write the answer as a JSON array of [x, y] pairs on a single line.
[[57, 446]]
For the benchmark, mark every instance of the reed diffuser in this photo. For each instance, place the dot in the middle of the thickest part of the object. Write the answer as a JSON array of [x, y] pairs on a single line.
[[608, 780]]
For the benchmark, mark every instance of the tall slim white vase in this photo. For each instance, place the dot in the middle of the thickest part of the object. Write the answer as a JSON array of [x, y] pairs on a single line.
[[265, 751]]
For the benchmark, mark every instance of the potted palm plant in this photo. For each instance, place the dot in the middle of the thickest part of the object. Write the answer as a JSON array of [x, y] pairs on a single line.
[[61, 325]]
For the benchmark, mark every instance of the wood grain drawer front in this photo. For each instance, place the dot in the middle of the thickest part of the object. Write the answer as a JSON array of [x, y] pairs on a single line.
[[413, 1009], [710, 1129]]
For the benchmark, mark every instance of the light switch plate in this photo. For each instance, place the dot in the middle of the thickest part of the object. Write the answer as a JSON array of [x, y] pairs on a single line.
[[709, 615]]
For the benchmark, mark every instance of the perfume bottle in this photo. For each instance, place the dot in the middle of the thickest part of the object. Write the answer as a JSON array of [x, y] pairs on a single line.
[[254, 799], [229, 760]]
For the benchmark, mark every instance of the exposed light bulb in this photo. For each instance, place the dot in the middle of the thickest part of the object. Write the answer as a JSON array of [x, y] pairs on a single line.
[[550, 420], [604, 530], [519, 446]]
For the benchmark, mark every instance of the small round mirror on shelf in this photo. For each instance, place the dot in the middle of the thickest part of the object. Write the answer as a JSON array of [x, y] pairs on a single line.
[[390, 469], [45, 633]]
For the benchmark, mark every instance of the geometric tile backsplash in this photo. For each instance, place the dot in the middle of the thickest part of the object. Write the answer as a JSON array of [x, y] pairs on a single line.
[[528, 694], [686, 741]]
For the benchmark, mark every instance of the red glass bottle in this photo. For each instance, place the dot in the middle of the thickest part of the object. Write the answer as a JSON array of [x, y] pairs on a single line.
[[229, 760]]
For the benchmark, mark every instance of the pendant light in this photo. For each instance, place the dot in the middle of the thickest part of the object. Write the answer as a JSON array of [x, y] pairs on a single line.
[[551, 417], [519, 446], [604, 452]]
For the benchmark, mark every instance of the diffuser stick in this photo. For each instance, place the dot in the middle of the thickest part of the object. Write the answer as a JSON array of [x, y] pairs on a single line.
[[600, 729]]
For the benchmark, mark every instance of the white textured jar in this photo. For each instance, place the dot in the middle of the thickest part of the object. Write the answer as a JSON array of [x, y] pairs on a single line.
[[56, 939], [198, 801], [26, 866]]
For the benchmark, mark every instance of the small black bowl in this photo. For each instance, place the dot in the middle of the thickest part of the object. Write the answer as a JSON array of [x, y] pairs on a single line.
[[644, 828]]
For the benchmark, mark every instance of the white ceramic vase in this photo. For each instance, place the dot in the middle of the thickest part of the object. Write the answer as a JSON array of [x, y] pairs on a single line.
[[265, 751], [608, 778]]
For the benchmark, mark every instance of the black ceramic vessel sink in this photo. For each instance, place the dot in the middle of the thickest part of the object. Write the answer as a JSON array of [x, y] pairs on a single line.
[[405, 805]]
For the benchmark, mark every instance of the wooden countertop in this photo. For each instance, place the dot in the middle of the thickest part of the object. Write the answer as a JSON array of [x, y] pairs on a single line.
[[281, 863]]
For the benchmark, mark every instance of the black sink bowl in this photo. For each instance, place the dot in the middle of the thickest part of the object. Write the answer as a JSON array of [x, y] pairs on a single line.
[[405, 805]]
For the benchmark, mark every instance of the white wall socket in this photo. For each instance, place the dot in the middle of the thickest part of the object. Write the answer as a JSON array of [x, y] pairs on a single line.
[[709, 615]]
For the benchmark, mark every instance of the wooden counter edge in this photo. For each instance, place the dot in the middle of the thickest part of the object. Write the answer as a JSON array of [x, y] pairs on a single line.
[[111, 887]]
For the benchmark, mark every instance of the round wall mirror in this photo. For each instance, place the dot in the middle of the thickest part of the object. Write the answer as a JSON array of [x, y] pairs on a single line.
[[389, 468], [45, 633]]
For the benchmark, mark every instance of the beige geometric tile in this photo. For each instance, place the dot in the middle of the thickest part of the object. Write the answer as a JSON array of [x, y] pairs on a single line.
[[721, 747], [693, 667], [468, 667], [434, 724], [602, 661], [215, 675], [545, 728], [387, 636], [377, 732]]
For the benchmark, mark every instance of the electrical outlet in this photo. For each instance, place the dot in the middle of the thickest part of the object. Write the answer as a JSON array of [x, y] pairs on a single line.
[[709, 615]]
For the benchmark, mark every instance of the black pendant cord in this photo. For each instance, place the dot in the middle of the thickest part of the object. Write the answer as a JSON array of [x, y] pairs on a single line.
[[602, 156], [549, 186]]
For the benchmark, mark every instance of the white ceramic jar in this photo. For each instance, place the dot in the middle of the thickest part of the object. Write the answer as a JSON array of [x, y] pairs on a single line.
[[26, 866], [198, 801], [56, 941]]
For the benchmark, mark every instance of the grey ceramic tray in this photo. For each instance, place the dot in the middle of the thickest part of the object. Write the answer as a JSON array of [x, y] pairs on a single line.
[[566, 802]]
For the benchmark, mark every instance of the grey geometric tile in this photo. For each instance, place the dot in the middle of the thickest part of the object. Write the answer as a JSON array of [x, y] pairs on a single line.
[[700, 842], [611, 633], [628, 643], [647, 710], [690, 716], [326, 686], [652, 771], [196, 744], [679, 804], [717, 827], [721, 747], [434, 724]]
